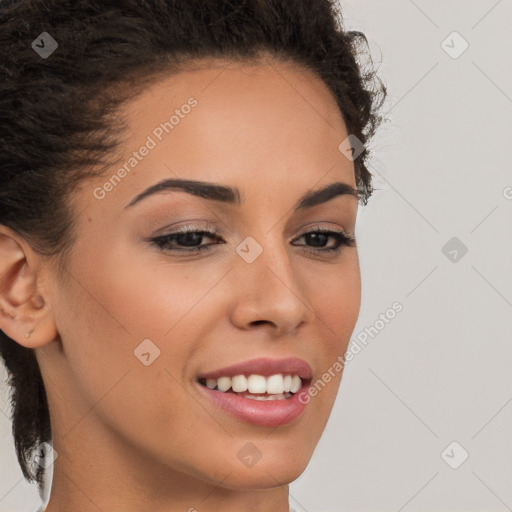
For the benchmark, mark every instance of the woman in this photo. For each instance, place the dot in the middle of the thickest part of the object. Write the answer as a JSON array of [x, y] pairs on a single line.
[[179, 189]]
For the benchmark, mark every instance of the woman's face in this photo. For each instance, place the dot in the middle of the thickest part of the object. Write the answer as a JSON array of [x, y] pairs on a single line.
[[141, 319]]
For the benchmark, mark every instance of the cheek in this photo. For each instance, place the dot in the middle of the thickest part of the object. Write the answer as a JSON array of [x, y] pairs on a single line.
[[335, 295], [105, 311], [334, 292], [116, 301], [148, 296]]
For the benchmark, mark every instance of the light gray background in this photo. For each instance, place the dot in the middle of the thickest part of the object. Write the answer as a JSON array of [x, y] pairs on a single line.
[[440, 370]]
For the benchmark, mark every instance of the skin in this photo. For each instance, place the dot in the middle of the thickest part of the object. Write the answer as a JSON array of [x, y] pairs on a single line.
[[133, 437]]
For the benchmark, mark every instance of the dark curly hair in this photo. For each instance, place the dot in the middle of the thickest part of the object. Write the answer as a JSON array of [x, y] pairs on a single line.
[[58, 119]]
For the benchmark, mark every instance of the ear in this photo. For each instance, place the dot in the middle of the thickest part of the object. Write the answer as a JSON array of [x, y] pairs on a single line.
[[25, 314]]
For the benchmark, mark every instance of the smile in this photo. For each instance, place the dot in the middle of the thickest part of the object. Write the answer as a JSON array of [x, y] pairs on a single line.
[[256, 387]]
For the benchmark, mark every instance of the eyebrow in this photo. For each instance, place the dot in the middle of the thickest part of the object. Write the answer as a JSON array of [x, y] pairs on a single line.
[[232, 195]]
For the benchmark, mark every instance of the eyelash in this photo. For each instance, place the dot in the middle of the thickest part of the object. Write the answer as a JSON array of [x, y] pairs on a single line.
[[342, 239]]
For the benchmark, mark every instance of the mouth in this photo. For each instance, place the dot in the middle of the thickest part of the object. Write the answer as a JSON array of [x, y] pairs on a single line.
[[275, 406], [262, 391], [257, 387]]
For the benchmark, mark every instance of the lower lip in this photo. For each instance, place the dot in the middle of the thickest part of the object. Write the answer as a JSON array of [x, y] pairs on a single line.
[[268, 413]]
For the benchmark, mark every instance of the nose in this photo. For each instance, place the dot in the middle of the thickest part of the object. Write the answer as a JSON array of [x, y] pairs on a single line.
[[269, 292]]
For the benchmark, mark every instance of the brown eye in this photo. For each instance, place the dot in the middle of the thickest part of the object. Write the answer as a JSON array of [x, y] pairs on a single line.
[[318, 238], [186, 240]]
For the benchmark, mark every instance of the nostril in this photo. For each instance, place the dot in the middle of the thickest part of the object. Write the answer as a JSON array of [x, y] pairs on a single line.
[[258, 322]]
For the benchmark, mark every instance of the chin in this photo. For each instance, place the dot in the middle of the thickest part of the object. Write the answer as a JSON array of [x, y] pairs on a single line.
[[263, 476], [275, 468]]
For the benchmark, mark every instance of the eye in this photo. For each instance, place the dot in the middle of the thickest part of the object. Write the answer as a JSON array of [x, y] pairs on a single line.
[[319, 237], [190, 239]]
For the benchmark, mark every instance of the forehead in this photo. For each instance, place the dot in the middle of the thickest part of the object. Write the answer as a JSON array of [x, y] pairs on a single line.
[[262, 126], [264, 83], [259, 104]]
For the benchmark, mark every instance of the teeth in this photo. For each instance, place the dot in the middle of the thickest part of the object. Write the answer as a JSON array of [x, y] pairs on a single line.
[[275, 385], [257, 384], [224, 383], [239, 383], [280, 396], [296, 384]]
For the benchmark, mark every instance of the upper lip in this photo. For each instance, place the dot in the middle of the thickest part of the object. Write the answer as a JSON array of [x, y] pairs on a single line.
[[265, 367]]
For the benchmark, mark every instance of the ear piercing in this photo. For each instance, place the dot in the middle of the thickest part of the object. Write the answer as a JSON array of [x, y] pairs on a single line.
[[28, 333]]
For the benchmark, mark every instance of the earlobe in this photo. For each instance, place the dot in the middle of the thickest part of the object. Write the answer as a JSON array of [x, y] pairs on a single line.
[[25, 316]]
